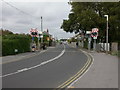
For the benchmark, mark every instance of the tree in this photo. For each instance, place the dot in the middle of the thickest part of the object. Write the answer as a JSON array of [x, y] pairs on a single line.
[[5, 32], [87, 15]]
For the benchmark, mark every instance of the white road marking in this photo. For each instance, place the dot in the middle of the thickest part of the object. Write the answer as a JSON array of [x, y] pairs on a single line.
[[43, 63], [23, 70], [23, 57]]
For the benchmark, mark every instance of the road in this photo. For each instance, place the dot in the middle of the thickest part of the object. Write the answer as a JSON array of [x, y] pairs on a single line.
[[46, 70]]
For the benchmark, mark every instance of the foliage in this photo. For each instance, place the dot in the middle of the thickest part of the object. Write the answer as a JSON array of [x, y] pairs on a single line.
[[63, 39], [118, 53], [73, 39], [5, 32], [87, 15], [12, 42]]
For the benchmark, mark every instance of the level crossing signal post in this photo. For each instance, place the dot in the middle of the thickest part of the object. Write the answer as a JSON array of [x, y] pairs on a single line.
[[89, 39], [94, 34], [34, 33]]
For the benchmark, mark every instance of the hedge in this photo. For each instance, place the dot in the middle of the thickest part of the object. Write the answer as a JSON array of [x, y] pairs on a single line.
[[12, 42]]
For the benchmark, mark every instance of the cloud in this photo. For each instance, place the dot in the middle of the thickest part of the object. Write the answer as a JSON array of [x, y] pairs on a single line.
[[18, 21]]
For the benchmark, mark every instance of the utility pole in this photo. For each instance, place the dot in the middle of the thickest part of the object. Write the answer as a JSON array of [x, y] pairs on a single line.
[[41, 31], [41, 25]]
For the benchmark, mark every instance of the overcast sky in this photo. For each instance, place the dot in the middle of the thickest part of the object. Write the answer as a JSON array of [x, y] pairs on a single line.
[[53, 14]]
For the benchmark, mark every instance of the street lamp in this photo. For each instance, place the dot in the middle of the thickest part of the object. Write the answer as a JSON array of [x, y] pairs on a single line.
[[106, 33]]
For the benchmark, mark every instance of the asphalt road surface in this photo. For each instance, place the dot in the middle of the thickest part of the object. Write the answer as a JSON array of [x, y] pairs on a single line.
[[46, 70]]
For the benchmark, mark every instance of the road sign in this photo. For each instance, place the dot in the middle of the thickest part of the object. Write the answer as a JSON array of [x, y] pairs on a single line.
[[41, 36], [95, 30], [32, 38], [94, 33], [94, 37], [34, 32], [88, 32], [48, 39]]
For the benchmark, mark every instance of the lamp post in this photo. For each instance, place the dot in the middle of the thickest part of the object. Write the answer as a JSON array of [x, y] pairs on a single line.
[[106, 33]]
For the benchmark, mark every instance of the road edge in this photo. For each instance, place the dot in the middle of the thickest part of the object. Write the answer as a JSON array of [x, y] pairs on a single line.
[[71, 85], [25, 57], [79, 74]]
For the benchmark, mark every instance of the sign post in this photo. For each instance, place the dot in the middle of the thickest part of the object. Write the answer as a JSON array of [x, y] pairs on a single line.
[[34, 33], [89, 43], [94, 34], [89, 39], [32, 39]]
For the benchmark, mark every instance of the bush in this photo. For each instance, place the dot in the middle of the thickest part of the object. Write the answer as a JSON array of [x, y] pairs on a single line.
[[12, 42]]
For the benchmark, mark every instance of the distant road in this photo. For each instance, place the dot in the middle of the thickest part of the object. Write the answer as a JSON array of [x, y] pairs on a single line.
[[46, 70]]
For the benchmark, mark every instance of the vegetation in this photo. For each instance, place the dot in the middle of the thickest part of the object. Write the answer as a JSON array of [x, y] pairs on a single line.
[[87, 15], [11, 41], [118, 53]]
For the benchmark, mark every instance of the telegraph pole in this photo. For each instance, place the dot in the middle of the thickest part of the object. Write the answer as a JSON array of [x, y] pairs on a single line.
[[41, 30], [41, 24]]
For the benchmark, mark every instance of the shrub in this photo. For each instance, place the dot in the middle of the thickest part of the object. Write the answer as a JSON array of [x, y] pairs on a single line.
[[12, 42]]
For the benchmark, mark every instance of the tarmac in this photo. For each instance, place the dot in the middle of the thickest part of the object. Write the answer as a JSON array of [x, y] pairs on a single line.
[[21, 56], [103, 72]]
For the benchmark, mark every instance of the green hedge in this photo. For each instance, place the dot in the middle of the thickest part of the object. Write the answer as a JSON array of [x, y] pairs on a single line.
[[12, 42]]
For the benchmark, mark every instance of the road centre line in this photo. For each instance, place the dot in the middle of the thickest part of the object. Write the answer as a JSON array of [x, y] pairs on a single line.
[[43, 63]]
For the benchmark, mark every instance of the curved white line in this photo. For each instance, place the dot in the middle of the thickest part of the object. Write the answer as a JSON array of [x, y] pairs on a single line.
[[43, 63]]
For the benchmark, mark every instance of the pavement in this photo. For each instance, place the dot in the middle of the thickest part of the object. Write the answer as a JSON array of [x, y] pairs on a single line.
[[103, 72]]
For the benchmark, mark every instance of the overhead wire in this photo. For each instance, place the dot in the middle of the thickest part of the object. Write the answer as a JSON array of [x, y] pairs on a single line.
[[23, 12], [18, 9]]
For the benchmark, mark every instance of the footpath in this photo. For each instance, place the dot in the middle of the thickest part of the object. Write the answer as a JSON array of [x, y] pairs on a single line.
[[103, 72]]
